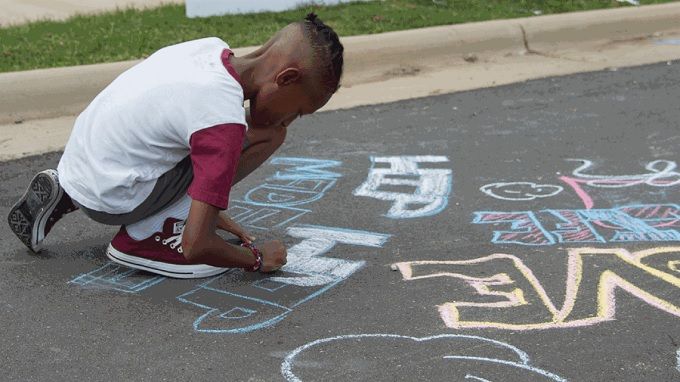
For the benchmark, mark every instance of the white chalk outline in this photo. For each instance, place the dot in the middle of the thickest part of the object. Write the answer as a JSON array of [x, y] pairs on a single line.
[[621, 181], [433, 186], [480, 379], [288, 362], [485, 189]]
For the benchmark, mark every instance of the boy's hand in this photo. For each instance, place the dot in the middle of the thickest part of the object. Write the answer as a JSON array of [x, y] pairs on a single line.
[[226, 224], [273, 256]]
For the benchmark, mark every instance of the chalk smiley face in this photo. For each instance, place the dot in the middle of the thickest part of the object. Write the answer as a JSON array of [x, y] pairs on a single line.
[[516, 191], [393, 357]]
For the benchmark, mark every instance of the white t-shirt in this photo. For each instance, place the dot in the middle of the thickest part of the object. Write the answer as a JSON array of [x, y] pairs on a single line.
[[139, 127]]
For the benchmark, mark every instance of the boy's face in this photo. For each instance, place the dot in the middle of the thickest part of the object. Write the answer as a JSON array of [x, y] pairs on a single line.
[[280, 102]]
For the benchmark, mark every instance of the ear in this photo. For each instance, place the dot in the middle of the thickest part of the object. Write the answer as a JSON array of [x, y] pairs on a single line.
[[288, 76]]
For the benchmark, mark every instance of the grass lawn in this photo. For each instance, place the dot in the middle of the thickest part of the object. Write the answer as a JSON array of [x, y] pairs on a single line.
[[128, 34]]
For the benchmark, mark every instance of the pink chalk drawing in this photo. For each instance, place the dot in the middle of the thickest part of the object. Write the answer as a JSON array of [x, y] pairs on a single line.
[[642, 222], [515, 299], [524, 227], [661, 173]]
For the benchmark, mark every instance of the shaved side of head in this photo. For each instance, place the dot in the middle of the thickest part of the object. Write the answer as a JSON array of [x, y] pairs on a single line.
[[314, 47], [294, 73], [327, 51]]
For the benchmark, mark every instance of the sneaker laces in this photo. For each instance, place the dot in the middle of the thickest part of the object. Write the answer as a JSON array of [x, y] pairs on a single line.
[[175, 241]]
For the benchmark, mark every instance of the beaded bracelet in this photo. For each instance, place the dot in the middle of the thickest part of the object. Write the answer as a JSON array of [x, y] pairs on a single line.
[[258, 257]]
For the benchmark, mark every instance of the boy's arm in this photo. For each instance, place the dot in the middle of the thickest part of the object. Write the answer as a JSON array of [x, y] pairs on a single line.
[[264, 141], [225, 223], [200, 243], [215, 154]]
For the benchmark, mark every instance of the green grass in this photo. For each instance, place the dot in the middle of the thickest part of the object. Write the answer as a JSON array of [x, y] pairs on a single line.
[[128, 34]]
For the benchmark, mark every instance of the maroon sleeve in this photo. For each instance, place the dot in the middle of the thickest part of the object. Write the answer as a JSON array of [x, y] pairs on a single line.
[[215, 152]]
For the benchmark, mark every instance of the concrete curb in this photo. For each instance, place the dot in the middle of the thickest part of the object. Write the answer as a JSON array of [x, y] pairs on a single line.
[[50, 93]]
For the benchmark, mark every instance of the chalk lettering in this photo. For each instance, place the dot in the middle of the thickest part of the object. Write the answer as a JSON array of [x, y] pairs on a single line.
[[594, 275], [277, 202], [431, 187], [639, 223], [238, 302], [112, 276]]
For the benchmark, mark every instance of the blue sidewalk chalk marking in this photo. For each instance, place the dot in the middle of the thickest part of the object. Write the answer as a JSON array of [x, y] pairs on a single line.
[[268, 300], [635, 223], [263, 217], [274, 204], [112, 276], [269, 285], [525, 228], [248, 302], [281, 196], [237, 313], [305, 168]]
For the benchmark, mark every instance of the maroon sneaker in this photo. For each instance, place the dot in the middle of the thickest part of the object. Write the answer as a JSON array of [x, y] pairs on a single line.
[[41, 206], [160, 253]]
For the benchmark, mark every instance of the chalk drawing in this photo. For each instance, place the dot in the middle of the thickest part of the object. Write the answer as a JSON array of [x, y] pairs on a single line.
[[661, 174], [261, 217], [305, 168], [456, 356], [267, 206], [594, 275], [468, 376], [275, 203], [514, 191], [525, 228], [431, 187], [112, 276], [572, 228], [240, 302], [304, 258], [677, 360], [636, 223]]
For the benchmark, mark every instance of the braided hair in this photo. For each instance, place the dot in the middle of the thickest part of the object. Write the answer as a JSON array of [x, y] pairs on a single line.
[[328, 51]]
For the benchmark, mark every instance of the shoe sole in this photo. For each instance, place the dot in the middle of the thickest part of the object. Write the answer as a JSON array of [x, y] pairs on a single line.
[[27, 218], [193, 271]]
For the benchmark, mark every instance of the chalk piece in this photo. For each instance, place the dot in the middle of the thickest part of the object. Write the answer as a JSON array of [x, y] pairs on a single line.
[[394, 267]]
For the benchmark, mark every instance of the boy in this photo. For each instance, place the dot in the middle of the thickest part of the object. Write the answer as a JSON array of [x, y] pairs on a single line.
[[158, 150]]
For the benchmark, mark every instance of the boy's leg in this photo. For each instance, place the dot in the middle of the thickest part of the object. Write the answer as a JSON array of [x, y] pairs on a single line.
[[45, 202], [41, 206], [150, 237], [154, 244], [146, 227]]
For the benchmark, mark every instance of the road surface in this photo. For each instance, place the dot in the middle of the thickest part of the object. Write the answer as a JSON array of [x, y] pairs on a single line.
[[519, 233]]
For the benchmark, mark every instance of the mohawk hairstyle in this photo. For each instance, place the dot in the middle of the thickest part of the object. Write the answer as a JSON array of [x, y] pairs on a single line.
[[328, 50]]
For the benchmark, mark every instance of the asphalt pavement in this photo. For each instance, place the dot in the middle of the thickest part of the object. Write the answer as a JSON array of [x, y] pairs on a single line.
[[528, 232]]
